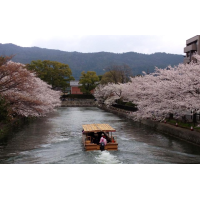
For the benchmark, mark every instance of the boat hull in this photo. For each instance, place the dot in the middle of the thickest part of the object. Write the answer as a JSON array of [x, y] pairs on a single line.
[[92, 133], [108, 147]]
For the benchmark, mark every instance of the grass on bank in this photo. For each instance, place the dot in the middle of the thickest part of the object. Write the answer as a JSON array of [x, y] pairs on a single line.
[[181, 124]]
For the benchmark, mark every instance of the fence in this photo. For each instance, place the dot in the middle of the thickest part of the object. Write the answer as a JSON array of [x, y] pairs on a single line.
[[191, 118]]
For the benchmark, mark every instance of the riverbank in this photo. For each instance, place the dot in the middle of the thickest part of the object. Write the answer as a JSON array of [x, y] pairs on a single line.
[[7, 127], [4, 129], [174, 131]]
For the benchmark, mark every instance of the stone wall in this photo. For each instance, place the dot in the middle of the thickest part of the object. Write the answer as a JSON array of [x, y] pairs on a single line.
[[177, 132], [78, 103], [117, 111]]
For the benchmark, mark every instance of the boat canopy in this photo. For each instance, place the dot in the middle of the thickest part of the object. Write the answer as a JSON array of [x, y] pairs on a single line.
[[97, 128]]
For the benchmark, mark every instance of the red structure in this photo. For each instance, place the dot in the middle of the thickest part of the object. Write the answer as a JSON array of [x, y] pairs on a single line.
[[75, 88]]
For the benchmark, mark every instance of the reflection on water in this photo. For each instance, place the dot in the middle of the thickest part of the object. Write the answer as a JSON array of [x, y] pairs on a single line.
[[57, 139]]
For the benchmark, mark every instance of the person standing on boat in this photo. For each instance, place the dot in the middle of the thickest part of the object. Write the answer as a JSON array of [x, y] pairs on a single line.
[[103, 139], [102, 142]]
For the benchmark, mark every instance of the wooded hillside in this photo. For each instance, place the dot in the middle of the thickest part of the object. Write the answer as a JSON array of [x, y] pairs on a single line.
[[97, 62]]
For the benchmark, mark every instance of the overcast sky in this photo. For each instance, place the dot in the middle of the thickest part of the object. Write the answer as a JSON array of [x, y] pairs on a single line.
[[110, 43]]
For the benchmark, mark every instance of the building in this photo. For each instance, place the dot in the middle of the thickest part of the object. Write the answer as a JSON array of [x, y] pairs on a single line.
[[75, 87], [192, 46]]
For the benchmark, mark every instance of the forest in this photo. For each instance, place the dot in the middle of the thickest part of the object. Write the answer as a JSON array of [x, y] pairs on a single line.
[[97, 62]]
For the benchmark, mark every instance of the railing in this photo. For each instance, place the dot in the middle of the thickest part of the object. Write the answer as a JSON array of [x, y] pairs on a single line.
[[191, 118], [192, 47]]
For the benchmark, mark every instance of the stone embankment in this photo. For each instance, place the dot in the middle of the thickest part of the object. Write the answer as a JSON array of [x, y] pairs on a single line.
[[118, 111], [177, 132], [78, 103]]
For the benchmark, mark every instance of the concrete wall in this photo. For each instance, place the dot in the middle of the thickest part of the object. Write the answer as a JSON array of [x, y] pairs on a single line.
[[181, 133]]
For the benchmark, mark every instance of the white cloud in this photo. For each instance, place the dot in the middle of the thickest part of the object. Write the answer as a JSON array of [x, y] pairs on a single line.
[[109, 43]]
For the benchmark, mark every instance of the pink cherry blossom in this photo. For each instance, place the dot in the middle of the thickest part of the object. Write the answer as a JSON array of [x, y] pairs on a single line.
[[171, 90], [26, 94]]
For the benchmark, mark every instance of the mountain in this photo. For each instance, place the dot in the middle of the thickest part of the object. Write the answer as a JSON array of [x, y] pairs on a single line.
[[97, 62]]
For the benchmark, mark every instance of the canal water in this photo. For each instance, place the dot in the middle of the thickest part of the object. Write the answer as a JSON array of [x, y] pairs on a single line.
[[56, 138]]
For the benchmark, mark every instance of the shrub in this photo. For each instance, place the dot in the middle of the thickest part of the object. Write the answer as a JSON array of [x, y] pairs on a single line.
[[130, 104]]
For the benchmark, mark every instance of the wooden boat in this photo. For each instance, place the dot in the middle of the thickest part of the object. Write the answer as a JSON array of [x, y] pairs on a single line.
[[92, 133]]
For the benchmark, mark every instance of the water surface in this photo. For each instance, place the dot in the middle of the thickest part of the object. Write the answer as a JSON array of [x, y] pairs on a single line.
[[57, 139]]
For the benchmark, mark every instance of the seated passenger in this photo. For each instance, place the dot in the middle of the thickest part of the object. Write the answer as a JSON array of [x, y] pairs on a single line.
[[94, 140], [113, 139]]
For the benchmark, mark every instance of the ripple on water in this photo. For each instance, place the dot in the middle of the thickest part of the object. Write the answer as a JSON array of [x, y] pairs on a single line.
[[106, 157], [57, 139]]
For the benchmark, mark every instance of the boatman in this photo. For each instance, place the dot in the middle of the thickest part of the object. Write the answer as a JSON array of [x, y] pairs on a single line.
[[102, 142]]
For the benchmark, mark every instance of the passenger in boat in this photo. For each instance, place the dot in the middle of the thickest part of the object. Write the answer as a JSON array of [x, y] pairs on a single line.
[[113, 139], [98, 137], [94, 140], [92, 134], [103, 140], [106, 136]]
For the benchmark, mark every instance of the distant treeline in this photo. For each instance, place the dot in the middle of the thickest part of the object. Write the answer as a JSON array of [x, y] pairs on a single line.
[[97, 62]]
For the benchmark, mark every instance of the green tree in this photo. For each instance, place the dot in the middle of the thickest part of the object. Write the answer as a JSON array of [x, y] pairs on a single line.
[[88, 81], [117, 74], [54, 73], [108, 78], [100, 77]]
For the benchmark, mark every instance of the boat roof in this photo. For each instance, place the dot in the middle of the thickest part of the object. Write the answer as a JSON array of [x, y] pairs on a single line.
[[97, 128]]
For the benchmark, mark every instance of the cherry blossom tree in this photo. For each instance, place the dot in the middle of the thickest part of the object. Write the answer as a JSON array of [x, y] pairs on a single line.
[[26, 94], [108, 94], [115, 93], [100, 94], [172, 90]]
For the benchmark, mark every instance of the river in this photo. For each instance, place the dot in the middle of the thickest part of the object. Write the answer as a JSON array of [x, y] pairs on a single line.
[[56, 138]]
